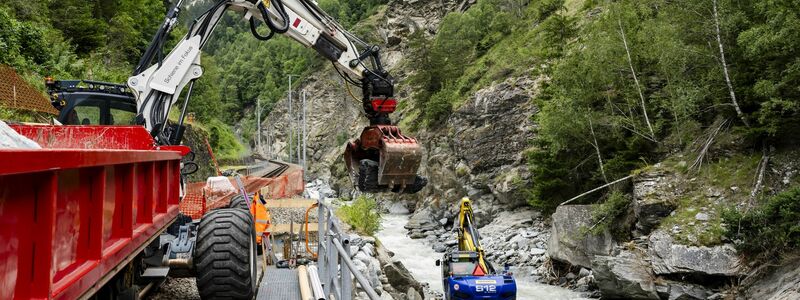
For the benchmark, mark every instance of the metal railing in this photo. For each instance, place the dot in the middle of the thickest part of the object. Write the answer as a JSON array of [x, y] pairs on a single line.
[[334, 265]]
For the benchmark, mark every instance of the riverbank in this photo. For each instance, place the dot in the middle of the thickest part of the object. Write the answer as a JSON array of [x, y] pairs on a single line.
[[419, 258]]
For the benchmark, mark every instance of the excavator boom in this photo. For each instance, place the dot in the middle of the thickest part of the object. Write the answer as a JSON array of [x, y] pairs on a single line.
[[382, 159]]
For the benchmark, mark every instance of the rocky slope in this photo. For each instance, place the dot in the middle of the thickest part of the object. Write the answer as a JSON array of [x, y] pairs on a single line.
[[668, 243], [478, 152]]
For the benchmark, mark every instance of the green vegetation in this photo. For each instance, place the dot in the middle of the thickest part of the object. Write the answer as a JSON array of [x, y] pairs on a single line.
[[731, 179], [490, 41], [769, 230], [7, 113], [350, 12], [627, 81], [606, 216], [227, 147], [362, 214]]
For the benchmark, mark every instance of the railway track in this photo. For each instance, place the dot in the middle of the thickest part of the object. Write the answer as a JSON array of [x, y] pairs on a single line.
[[268, 169], [282, 167]]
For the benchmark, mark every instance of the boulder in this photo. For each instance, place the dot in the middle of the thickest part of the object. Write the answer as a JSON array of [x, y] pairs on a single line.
[[399, 277], [668, 257], [374, 274], [412, 294], [422, 220], [654, 195], [538, 251], [569, 242], [674, 290], [781, 283], [626, 275], [368, 249]]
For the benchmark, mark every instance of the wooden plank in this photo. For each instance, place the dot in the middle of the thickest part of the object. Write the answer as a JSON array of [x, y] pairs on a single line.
[[290, 203], [284, 228]]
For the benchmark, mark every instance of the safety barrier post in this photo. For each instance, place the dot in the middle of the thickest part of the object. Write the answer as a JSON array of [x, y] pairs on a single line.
[[321, 230], [347, 283], [334, 266]]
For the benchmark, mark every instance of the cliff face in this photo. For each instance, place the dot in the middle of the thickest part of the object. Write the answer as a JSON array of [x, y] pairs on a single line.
[[477, 152]]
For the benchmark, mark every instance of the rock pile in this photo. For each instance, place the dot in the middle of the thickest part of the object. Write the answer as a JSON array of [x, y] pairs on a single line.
[[389, 278], [517, 238]]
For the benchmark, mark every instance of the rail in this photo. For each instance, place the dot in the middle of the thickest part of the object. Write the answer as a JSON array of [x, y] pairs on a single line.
[[261, 170], [334, 266]]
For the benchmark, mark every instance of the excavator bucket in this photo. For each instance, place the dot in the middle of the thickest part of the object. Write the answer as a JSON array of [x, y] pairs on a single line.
[[383, 159]]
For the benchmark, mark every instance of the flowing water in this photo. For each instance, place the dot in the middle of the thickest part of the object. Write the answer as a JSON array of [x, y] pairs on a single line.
[[420, 260]]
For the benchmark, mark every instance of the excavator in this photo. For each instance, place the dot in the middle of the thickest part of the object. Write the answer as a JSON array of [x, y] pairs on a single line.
[[466, 274], [381, 159], [219, 249]]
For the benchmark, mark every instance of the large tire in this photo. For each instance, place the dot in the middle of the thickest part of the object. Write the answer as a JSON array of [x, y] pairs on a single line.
[[225, 255], [239, 202]]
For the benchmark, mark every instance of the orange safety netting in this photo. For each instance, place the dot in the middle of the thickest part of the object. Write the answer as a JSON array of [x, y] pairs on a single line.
[[289, 184], [16, 93]]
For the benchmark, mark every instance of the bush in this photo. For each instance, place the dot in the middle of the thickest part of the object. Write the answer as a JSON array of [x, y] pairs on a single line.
[[769, 229], [607, 215], [362, 214], [225, 144]]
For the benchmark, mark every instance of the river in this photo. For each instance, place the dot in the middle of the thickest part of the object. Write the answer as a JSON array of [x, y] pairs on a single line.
[[420, 260]]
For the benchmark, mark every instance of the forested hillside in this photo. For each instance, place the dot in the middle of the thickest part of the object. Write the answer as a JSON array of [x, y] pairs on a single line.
[[628, 82]]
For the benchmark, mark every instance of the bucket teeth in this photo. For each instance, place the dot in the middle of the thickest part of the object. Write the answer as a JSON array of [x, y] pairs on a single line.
[[383, 160]]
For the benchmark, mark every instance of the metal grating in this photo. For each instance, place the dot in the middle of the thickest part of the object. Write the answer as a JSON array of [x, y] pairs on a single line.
[[279, 284], [16, 93]]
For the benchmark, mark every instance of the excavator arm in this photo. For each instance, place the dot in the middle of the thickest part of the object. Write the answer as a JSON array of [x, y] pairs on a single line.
[[381, 159], [469, 240]]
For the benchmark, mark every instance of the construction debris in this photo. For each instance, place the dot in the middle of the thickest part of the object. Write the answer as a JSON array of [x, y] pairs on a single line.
[[10, 139]]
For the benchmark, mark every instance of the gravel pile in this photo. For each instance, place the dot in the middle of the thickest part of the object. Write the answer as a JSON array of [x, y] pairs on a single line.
[[177, 289], [286, 215]]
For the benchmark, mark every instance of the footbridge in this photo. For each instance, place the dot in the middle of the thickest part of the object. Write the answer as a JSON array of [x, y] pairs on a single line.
[[329, 276]]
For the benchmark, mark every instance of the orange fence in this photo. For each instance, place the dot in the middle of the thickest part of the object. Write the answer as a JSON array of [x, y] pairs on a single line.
[[287, 185], [16, 93]]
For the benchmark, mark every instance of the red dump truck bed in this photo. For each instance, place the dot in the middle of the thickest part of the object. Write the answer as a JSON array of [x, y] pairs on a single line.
[[76, 211]]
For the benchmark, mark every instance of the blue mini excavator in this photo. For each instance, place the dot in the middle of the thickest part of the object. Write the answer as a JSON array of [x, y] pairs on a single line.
[[466, 274]]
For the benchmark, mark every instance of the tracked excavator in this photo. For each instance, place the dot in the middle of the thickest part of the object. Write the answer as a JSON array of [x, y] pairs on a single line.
[[466, 274], [381, 159]]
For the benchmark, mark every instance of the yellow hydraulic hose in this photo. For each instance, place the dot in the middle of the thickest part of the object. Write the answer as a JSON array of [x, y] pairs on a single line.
[[308, 248]]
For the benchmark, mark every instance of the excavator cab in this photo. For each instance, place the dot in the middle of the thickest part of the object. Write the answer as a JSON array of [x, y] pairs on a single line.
[[86, 102], [464, 278]]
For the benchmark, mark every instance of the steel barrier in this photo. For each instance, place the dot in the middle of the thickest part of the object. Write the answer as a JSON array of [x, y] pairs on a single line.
[[334, 263]]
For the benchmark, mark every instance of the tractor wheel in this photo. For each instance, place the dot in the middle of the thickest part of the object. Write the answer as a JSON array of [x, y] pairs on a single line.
[[239, 202], [225, 255], [368, 175]]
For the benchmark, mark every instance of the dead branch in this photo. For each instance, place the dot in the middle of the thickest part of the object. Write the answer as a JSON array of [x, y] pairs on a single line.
[[725, 67], [595, 189], [760, 170], [698, 162]]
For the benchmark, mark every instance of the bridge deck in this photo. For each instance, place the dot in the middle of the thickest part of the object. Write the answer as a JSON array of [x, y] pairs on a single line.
[[279, 284]]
